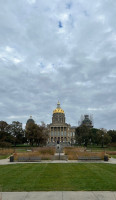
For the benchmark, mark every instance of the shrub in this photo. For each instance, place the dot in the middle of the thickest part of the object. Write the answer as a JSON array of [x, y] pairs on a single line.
[[74, 153], [45, 153], [45, 150], [112, 144], [5, 144], [68, 150], [46, 157], [32, 154], [6, 151], [91, 154], [111, 152]]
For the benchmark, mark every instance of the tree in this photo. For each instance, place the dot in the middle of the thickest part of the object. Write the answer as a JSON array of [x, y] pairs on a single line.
[[112, 134], [94, 136], [30, 132], [103, 137], [83, 135], [17, 132], [6, 138], [45, 135], [36, 134]]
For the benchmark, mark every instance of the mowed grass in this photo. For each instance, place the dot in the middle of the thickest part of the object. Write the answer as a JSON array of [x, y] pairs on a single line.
[[4, 156], [58, 177], [113, 156]]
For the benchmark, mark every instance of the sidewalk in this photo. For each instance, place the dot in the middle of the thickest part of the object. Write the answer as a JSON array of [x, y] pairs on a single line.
[[6, 161], [99, 195]]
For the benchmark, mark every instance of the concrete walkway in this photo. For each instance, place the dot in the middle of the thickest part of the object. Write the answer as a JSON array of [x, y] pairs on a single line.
[[100, 195], [6, 161]]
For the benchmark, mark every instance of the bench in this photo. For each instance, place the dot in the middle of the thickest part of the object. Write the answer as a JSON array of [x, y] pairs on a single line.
[[29, 159], [89, 158]]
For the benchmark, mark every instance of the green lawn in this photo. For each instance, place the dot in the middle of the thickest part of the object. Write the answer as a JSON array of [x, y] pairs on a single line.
[[3, 156], [58, 177], [113, 156]]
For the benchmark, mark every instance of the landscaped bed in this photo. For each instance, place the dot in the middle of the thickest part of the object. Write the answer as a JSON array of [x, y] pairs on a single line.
[[76, 153], [36, 155], [58, 177], [5, 153]]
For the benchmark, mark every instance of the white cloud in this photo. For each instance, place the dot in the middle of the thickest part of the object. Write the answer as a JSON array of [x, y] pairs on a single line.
[[95, 109], [9, 49], [31, 1], [16, 60], [9, 54], [15, 117], [101, 18]]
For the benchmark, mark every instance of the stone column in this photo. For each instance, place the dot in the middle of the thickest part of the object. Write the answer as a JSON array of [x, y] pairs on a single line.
[[56, 134], [53, 134], [67, 134], [50, 135], [70, 135], [63, 133], [60, 133]]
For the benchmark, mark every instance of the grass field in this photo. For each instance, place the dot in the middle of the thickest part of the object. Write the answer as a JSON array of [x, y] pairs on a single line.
[[58, 177], [113, 156], [4, 156]]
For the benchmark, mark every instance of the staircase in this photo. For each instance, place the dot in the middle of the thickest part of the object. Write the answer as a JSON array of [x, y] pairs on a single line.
[[63, 144], [59, 155]]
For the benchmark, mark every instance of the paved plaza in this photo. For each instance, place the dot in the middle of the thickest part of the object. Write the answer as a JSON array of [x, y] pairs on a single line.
[[95, 195]]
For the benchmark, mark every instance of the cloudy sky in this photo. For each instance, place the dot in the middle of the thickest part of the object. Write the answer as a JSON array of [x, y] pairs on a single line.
[[54, 50]]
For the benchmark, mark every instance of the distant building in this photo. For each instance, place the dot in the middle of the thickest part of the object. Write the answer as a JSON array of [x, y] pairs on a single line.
[[59, 130], [87, 121], [30, 120]]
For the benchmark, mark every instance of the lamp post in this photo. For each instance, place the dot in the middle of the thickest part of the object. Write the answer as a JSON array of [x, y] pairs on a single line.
[[90, 144], [59, 152], [102, 140]]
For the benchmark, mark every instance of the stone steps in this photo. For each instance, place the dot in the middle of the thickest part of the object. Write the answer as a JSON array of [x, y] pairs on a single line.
[[60, 156]]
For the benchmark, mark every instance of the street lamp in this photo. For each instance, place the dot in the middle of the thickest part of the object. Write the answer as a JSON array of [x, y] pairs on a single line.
[[102, 140]]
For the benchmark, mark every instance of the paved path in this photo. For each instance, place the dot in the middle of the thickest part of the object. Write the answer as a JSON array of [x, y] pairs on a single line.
[[6, 161], [101, 195]]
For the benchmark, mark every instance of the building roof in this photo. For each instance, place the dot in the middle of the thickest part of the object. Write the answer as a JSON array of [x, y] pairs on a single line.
[[30, 120], [58, 109]]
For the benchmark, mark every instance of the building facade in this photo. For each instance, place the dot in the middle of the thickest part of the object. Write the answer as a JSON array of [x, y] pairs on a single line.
[[59, 130]]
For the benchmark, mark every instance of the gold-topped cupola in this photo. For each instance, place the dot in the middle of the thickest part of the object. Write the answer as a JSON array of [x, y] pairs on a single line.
[[58, 109]]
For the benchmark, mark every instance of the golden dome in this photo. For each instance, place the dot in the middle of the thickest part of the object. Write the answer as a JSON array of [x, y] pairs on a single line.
[[58, 109]]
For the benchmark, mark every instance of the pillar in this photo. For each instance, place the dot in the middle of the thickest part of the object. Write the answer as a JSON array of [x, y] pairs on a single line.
[[50, 135], [63, 133], [53, 134], [60, 133]]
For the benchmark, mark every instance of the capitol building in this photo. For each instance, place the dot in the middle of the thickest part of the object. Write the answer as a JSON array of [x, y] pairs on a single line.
[[59, 130]]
